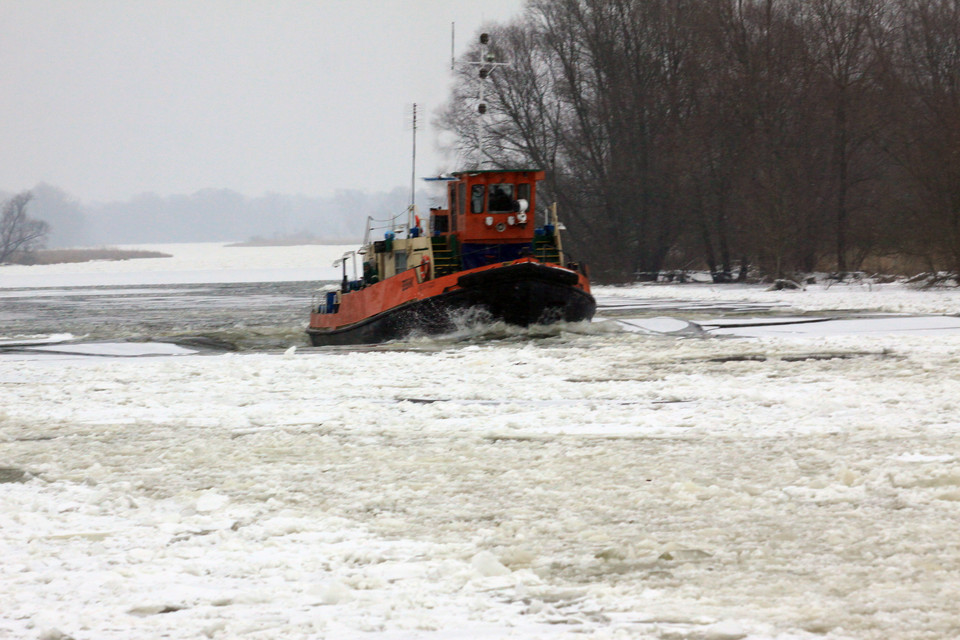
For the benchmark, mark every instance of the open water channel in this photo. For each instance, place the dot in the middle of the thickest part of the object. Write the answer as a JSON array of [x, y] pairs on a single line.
[[235, 316], [245, 316]]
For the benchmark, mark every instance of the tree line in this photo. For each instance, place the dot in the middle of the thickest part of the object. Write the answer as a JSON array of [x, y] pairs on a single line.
[[46, 216], [779, 136]]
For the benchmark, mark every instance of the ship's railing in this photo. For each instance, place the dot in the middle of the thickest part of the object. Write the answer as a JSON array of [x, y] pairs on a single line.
[[389, 225]]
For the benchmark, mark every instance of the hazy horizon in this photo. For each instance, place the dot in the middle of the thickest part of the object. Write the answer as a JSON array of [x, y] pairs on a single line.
[[214, 215], [116, 100]]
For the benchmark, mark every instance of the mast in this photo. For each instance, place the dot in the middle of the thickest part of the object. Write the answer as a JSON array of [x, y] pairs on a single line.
[[486, 64], [413, 174]]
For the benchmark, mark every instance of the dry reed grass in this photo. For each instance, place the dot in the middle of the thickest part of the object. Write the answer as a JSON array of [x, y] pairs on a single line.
[[63, 256]]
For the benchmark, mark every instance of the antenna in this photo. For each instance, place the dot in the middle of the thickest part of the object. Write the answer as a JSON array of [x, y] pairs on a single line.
[[413, 173], [453, 37]]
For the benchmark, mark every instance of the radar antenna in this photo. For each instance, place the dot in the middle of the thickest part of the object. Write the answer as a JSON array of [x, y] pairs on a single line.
[[486, 64]]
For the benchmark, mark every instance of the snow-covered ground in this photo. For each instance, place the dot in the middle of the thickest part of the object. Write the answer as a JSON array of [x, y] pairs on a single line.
[[854, 295], [583, 481], [200, 262]]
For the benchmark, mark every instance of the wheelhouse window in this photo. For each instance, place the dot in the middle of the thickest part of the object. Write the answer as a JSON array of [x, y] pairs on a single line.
[[523, 192], [476, 198], [501, 198]]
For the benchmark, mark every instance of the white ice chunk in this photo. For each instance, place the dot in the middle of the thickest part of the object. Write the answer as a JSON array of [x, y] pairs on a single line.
[[120, 349], [336, 593], [211, 501], [38, 340], [726, 630], [487, 565], [659, 325]]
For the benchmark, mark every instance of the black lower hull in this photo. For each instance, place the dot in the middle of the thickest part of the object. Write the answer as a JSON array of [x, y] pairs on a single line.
[[522, 295]]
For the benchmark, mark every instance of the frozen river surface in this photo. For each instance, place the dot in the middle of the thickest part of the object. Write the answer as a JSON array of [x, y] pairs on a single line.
[[622, 479]]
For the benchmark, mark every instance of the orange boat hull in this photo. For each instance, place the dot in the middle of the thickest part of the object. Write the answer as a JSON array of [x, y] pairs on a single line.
[[522, 292]]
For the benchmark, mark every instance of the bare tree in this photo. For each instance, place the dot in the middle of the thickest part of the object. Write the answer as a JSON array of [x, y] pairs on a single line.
[[790, 134], [594, 96], [18, 232], [840, 37], [926, 80], [761, 138]]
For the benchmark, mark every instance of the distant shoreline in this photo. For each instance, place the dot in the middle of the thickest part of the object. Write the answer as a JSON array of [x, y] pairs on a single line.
[[69, 256], [291, 242]]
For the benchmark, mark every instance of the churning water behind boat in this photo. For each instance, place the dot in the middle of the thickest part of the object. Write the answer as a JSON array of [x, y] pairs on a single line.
[[231, 315], [217, 316]]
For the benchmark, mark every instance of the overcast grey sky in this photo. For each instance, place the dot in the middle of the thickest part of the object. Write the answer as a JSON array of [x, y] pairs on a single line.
[[111, 98]]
